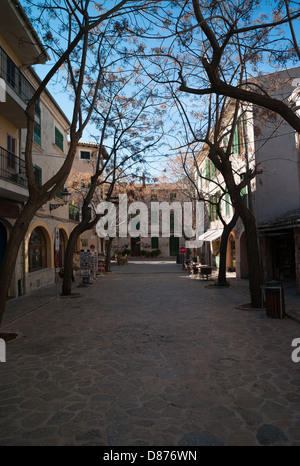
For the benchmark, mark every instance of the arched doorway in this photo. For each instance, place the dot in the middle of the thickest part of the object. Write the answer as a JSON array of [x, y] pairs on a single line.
[[3, 241], [59, 256], [37, 250]]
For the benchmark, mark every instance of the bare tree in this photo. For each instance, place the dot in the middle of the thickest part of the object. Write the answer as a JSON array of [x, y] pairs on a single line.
[[130, 126], [76, 40]]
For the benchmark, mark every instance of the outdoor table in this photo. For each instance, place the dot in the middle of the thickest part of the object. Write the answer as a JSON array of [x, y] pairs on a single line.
[[205, 271]]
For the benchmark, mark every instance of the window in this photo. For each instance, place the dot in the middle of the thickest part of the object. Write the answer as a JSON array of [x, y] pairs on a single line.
[[37, 250], [59, 139], [172, 196], [227, 201], [235, 142], [207, 169], [212, 170], [38, 175], [11, 152], [85, 155], [37, 128], [154, 242], [153, 197], [213, 207], [238, 139], [37, 134]]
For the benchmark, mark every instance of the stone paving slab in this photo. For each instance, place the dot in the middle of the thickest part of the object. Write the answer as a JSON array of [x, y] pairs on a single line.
[[149, 356]]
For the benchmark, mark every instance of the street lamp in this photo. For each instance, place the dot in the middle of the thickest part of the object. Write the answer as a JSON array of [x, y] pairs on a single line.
[[65, 198]]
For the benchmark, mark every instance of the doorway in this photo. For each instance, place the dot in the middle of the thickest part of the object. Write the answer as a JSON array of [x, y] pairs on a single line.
[[174, 245], [136, 246]]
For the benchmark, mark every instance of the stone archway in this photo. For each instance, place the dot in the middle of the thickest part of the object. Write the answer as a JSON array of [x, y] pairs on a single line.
[[43, 230]]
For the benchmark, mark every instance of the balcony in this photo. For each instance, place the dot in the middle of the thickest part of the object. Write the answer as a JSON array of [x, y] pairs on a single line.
[[13, 180], [18, 92]]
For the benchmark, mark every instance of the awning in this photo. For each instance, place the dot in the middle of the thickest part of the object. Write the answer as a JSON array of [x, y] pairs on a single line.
[[211, 235]]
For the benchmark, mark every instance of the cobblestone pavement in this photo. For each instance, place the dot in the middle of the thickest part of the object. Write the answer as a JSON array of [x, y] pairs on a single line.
[[148, 356]]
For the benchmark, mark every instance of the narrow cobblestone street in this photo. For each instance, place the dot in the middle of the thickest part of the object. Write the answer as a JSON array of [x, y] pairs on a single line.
[[149, 356]]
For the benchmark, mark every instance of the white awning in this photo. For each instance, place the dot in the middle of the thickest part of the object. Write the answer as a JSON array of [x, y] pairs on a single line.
[[211, 235]]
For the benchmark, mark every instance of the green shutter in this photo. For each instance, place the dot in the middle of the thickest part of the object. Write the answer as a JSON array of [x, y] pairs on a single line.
[[241, 132], [59, 139], [37, 135], [235, 142], [38, 175], [227, 200], [213, 170], [207, 175]]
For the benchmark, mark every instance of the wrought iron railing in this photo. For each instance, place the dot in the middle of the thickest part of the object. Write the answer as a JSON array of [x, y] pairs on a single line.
[[14, 77], [12, 168]]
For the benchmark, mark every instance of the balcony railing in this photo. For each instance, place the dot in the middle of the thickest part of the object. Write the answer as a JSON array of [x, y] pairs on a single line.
[[15, 78], [12, 168]]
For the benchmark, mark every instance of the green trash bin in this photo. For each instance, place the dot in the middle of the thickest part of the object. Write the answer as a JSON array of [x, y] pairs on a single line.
[[274, 299]]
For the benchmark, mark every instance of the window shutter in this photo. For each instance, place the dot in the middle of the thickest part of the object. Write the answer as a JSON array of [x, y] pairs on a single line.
[[235, 142], [38, 175], [59, 139]]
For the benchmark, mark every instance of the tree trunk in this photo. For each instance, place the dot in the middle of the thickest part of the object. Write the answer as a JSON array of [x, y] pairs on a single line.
[[223, 249], [223, 255], [16, 237], [241, 209], [68, 264], [254, 263]]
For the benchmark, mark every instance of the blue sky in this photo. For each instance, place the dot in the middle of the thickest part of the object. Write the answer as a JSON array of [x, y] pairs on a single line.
[[62, 98]]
